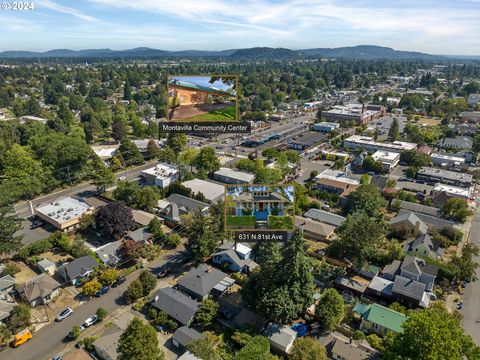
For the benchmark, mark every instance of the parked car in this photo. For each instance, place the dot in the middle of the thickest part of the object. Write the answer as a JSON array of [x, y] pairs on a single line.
[[102, 291], [36, 224], [459, 305], [64, 314], [21, 337], [120, 280], [90, 321], [56, 357], [164, 272]]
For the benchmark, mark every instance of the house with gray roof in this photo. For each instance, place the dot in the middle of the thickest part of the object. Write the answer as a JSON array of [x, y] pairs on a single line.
[[424, 245], [236, 257], [73, 271], [325, 217], [419, 208], [141, 235], [230, 176], [410, 292], [281, 338], [203, 281], [38, 290], [183, 336], [458, 142], [408, 224], [106, 345], [432, 221], [380, 287], [109, 253], [419, 270], [177, 205], [339, 346], [7, 283], [177, 305], [390, 270], [315, 230]]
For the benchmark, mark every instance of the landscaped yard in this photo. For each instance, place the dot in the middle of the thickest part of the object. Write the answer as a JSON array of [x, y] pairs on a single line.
[[225, 114], [280, 222], [234, 221]]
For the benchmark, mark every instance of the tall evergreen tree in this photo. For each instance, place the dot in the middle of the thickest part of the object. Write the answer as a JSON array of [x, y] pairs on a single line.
[[139, 342]]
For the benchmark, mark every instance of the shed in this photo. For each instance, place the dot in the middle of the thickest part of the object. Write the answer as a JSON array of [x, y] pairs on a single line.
[[47, 266]]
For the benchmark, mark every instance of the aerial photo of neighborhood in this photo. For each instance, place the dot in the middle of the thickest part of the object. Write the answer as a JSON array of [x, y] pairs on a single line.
[[240, 180]]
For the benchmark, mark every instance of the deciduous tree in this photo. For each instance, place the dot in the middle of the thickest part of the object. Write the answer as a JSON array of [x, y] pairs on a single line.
[[139, 342]]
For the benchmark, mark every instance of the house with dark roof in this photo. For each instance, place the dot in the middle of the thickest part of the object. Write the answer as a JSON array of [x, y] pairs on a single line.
[[389, 271], [424, 245], [183, 336], [408, 224], [410, 292], [325, 217], [432, 221], [379, 288], [235, 257], [419, 208], [339, 346], [7, 283], [458, 142], [38, 290], [417, 269], [203, 281], [379, 319], [140, 235], [177, 305], [314, 230], [176, 205], [73, 271]]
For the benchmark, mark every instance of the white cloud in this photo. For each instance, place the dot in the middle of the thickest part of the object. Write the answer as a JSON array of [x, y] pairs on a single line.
[[65, 10]]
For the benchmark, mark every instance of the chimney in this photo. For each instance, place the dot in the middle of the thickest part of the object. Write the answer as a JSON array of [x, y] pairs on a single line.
[[417, 228]]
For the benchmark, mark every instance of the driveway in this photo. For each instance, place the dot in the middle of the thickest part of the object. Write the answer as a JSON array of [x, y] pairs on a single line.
[[471, 295]]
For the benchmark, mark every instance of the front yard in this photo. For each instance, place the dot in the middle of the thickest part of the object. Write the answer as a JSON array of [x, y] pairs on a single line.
[[280, 222], [238, 222]]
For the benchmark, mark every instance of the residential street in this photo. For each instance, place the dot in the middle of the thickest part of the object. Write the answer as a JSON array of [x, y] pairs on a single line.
[[471, 297], [48, 341]]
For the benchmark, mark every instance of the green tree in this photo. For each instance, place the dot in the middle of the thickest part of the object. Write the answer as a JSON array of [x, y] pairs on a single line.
[[365, 198], [101, 313], [210, 347], [153, 148], [103, 178], [108, 276], [130, 153], [431, 334], [127, 91], [148, 281], [155, 227], [134, 291], [139, 342], [187, 157], [177, 142], [330, 310], [9, 225], [20, 317], [360, 237], [201, 241], [465, 265], [207, 313], [207, 161], [75, 332], [456, 208], [146, 198], [394, 131], [91, 288], [114, 219], [5, 334], [307, 348], [258, 348]]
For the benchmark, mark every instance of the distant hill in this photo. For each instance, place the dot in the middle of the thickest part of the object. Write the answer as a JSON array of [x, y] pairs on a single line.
[[367, 52], [256, 53]]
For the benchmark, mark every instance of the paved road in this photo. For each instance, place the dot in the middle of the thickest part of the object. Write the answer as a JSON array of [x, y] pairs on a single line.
[[48, 341], [471, 297]]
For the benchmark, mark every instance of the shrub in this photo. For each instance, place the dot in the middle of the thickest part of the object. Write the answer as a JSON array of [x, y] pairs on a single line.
[[91, 288], [358, 335], [173, 240], [10, 269], [101, 313]]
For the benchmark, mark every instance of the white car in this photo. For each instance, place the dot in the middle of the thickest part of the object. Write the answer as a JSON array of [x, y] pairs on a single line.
[[64, 314], [90, 321]]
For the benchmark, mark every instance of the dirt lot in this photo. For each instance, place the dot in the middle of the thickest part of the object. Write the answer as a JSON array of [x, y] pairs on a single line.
[[56, 258], [429, 121], [25, 273]]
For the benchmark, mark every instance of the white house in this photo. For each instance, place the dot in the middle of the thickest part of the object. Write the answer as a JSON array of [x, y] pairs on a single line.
[[235, 257], [161, 175], [389, 159]]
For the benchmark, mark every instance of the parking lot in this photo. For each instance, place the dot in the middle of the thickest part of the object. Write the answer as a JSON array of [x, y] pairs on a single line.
[[383, 125]]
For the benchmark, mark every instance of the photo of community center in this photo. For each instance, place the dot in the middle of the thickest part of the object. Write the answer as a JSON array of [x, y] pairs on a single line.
[[202, 98]]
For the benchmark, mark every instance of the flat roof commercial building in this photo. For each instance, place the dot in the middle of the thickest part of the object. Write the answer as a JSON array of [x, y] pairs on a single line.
[[63, 213], [325, 126], [336, 182], [389, 159], [359, 113], [454, 178], [360, 142], [453, 191], [212, 191], [307, 140], [230, 176], [446, 160], [161, 175]]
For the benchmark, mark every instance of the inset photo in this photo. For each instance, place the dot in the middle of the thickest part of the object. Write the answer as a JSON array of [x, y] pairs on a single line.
[[202, 98], [254, 207]]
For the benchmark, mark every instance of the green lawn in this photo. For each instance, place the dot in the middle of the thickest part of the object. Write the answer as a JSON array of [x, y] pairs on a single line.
[[234, 221], [225, 114], [280, 222]]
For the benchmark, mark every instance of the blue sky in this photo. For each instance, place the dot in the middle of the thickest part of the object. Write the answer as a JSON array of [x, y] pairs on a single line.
[[203, 81], [440, 26]]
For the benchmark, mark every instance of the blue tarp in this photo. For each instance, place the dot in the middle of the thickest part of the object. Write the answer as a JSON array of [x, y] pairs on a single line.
[[300, 329]]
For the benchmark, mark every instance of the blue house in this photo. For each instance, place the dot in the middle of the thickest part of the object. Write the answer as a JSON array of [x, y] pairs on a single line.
[[260, 203]]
